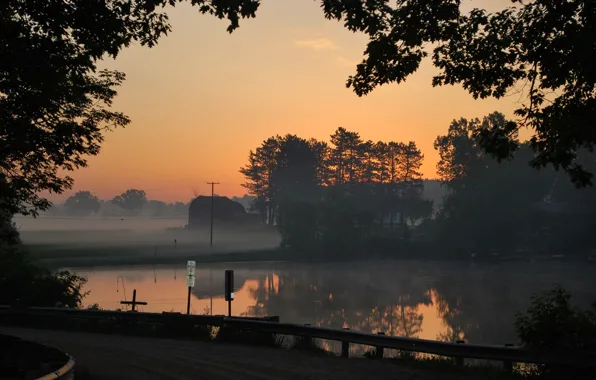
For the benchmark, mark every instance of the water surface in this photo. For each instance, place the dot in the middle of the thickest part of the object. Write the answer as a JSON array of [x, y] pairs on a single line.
[[430, 300]]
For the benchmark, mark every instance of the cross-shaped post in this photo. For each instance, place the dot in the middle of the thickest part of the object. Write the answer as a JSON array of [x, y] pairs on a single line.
[[134, 301]]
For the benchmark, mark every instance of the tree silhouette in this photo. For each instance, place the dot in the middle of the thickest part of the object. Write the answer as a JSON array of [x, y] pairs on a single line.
[[335, 195], [55, 103], [497, 207], [157, 208], [491, 55], [294, 184], [82, 203], [258, 174], [24, 284], [132, 200]]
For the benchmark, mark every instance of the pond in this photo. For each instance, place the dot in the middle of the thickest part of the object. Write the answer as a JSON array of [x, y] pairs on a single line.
[[431, 300]]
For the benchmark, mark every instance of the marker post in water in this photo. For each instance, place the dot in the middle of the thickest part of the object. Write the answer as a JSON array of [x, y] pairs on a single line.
[[190, 281]]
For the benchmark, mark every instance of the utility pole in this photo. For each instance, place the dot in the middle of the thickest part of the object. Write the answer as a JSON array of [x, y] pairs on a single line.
[[212, 203]]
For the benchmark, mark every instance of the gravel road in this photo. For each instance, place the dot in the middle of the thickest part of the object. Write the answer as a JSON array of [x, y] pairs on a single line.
[[101, 356]]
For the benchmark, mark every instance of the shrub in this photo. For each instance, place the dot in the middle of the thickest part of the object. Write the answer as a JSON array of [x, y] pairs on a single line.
[[229, 334], [23, 283], [552, 323]]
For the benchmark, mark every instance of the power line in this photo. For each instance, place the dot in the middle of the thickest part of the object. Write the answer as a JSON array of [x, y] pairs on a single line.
[[212, 204]]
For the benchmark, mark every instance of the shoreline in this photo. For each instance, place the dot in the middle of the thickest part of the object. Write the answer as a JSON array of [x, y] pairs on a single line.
[[272, 255]]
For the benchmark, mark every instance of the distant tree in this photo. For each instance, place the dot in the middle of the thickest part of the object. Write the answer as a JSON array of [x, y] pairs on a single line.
[[381, 153], [410, 180], [258, 177], [82, 203], [321, 151], [178, 208], [246, 201], [344, 156], [132, 200], [321, 195], [370, 166], [294, 183], [391, 156], [487, 200], [156, 208]]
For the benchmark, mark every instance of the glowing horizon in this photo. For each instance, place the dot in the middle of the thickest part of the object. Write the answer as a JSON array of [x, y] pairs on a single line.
[[203, 98]]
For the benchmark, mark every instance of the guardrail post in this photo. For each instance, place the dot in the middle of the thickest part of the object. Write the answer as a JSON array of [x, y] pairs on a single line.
[[379, 350], [459, 361], [508, 364], [345, 346], [307, 339]]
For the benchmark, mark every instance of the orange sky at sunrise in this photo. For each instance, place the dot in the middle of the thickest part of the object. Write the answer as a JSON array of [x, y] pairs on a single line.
[[203, 98]]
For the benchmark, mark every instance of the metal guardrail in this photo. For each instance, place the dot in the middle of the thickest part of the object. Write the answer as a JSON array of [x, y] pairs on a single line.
[[471, 351], [505, 354]]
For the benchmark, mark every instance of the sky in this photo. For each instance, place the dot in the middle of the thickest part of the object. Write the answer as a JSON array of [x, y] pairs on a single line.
[[203, 98]]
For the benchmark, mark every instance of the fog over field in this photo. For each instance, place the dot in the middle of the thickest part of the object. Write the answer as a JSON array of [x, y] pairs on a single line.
[[51, 237]]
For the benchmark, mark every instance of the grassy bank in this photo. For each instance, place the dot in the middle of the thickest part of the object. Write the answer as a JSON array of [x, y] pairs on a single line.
[[125, 256], [60, 255]]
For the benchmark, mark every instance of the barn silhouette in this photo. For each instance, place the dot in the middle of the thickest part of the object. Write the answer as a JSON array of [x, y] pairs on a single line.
[[225, 211]]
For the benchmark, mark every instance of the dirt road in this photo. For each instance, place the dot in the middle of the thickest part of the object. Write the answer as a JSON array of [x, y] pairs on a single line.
[[114, 357]]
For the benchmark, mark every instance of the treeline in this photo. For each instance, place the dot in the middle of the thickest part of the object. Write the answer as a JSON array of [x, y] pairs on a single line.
[[509, 207], [335, 194], [353, 196], [132, 202]]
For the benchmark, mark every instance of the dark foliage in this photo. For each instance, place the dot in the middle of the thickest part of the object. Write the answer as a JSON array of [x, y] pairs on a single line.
[[352, 198], [336, 197], [542, 49], [488, 200], [54, 102], [552, 323], [24, 284]]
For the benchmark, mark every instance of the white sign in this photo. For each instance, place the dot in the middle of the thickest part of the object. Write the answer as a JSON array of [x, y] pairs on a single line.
[[232, 295], [190, 273], [190, 281]]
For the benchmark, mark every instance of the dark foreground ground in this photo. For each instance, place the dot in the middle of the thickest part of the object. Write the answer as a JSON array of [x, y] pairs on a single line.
[[100, 356]]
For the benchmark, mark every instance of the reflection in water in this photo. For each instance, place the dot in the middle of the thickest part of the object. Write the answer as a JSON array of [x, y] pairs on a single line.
[[429, 300]]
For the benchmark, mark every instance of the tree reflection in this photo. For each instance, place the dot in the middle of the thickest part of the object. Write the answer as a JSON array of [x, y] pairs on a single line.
[[347, 299], [474, 302]]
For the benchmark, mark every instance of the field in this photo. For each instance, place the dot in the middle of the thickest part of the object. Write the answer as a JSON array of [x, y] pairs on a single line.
[[95, 241]]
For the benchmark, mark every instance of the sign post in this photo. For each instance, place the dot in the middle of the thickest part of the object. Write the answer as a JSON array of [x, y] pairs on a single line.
[[190, 281], [229, 291]]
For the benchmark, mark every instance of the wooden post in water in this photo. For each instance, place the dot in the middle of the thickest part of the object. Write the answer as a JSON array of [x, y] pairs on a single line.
[[459, 361], [134, 301], [345, 347], [379, 350]]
